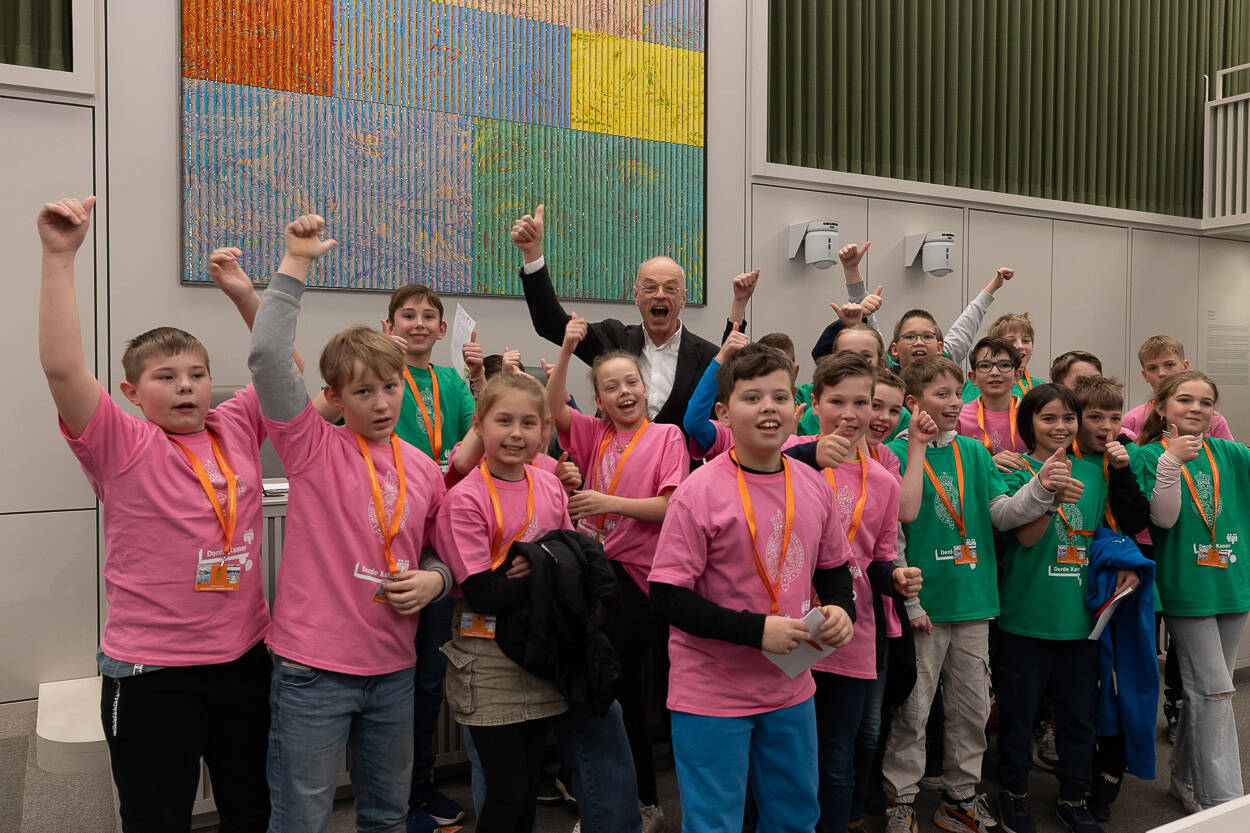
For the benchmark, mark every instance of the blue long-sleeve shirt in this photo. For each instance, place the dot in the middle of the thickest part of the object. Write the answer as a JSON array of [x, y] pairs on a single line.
[[695, 421]]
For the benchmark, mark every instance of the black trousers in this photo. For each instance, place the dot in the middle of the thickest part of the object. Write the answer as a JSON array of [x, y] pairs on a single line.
[[512, 761], [159, 725], [632, 629]]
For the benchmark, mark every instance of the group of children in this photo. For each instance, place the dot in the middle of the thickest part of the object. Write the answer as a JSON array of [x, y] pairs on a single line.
[[939, 531]]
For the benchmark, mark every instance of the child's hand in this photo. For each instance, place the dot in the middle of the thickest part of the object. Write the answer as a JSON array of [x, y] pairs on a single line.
[[473, 356], [520, 567], [735, 342], [63, 224], [527, 235], [833, 449], [783, 634], [412, 590], [1001, 276], [851, 254], [1117, 455], [1124, 579], [921, 430], [303, 240], [574, 332], [389, 329], [1009, 461], [872, 303], [799, 410], [588, 503], [908, 581], [1071, 491], [744, 285], [1055, 471], [547, 368], [837, 629], [923, 624], [225, 270], [567, 472], [1184, 447], [849, 314], [512, 360]]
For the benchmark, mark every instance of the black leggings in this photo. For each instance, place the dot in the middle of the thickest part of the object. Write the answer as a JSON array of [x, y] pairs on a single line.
[[633, 630], [511, 757]]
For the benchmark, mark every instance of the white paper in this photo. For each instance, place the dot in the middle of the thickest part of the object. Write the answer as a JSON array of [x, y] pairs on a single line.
[[807, 654], [1104, 615], [462, 327]]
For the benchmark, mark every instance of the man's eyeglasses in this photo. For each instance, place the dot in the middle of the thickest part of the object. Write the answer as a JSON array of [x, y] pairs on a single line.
[[672, 290], [1004, 366], [912, 338]]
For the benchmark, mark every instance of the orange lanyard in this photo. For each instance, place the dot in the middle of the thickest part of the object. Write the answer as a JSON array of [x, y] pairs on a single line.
[[620, 463], [434, 431], [389, 531], [498, 549], [1193, 492], [858, 514], [1106, 475], [747, 509], [873, 453], [1011, 421], [1026, 382], [957, 517], [230, 515], [1073, 532]]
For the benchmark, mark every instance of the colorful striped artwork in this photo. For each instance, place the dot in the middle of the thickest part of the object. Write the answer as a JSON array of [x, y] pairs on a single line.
[[422, 128]]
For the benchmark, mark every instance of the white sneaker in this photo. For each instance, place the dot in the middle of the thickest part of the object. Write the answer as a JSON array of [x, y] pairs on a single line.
[[652, 818], [1185, 793], [901, 818]]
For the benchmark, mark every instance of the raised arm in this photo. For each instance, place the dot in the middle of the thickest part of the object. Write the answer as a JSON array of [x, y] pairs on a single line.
[[62, 228], [850, 256], [557, 382], [962, 333], [744, 288], [921, 431], [279, 385], [227, 272]]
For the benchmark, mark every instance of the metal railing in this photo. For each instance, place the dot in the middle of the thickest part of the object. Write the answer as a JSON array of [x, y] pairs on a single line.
[[1226, 155]]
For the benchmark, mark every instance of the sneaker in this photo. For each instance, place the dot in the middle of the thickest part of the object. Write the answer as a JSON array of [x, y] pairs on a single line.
[[931, 783], [1043, 746], [563, 780], [971, 815], [438, 806], [1076, 817], [652, 818], [549, 795], [577, 826], [1185, 793], [900, 818], [1172, 714], [1013, 813], [855, 826], [1099, 809], [419, 821]]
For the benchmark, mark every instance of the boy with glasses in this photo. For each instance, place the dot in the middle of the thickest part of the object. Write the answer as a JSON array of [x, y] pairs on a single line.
[[990, 419]]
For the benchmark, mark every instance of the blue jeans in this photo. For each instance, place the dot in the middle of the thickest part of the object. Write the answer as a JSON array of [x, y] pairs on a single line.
[[321, 718], [775, 750], [597, 750], [433, 630], [840, 706]]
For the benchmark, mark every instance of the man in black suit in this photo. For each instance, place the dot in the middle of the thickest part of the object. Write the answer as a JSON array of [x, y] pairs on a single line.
[[672, 359]]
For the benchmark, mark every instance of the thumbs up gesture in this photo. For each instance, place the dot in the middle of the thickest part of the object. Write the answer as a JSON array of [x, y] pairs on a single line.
[[1184, 447], [574, 332], [1055, 471], [833, 449], [744, 285], [851, 254], [567, 472], [872, 303], [473, 356], [527, 234], [734, 342]]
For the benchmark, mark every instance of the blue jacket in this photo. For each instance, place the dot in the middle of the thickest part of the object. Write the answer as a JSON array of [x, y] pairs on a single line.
[[1129, 702]]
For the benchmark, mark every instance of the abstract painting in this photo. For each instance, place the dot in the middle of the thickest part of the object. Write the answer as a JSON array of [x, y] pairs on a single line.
[[421, 129]]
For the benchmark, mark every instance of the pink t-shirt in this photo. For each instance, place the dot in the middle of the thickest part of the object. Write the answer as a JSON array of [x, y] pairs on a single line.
[[705, 546], [1136, 418], [159, 527], [883, 455], [723, 442], [332, 561], [656, 465], [542, 462], [997, 426], [875, 540], [465, 530]]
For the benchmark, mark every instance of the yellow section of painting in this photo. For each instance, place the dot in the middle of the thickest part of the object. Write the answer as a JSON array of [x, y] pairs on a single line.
[[631, 88]]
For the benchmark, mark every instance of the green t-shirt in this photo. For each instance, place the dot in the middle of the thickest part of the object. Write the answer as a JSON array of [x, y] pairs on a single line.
[[955, 592], [454, 401], [809, 424], [1041, 595], [1020, 388], [1188, 587]]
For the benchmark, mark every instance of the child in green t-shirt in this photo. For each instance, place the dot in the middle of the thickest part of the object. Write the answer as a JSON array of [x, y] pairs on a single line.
[[1199, 491], [963, 499]]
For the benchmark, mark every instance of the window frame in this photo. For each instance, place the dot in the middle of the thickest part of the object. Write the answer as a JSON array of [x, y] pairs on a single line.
[[81, 80]]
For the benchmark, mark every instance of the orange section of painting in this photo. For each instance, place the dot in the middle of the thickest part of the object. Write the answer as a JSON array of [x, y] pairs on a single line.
[[279, 44]]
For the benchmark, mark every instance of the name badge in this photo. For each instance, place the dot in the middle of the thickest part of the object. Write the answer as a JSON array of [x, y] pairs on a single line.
[[477, 626], [379, 594], [217, 578], [967, 552], [1071, 554], [1214, 555], [589, 527]]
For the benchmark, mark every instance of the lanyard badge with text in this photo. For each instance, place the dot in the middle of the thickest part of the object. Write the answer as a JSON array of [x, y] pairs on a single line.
[[744, 495], [388, 529], [1213, 554], [221, 576], [967, 546]]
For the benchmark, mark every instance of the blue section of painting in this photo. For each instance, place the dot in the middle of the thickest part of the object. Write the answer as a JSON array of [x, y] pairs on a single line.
[[443, 57], [678, 23], [392, 182]]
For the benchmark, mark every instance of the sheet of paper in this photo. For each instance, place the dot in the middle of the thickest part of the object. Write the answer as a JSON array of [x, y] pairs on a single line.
[[1107, 611], [462, 327], [808, 653]]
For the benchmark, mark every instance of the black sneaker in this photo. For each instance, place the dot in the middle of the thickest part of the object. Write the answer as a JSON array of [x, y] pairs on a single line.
[[1076, 817], [439, 807], [1172, 714], [1013, 813], [1099, 809], [549, 794]]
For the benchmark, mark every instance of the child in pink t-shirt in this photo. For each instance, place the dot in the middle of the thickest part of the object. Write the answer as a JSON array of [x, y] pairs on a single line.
[[632, 466], [1160, 357], [361, 509], [991, 417], [746, 540], [501, 501], [184, 672]]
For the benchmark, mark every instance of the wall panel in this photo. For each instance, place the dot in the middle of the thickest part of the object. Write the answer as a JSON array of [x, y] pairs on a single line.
[[1089, 301], [1023, 243], [1222, 347], [1163, 297]]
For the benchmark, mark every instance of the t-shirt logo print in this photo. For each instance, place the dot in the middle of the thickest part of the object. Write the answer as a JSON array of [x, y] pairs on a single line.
[[219, 484], [952, 491], [1077, 520], [846, 507], [772, 554], [1206, 493], [390, 491]]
